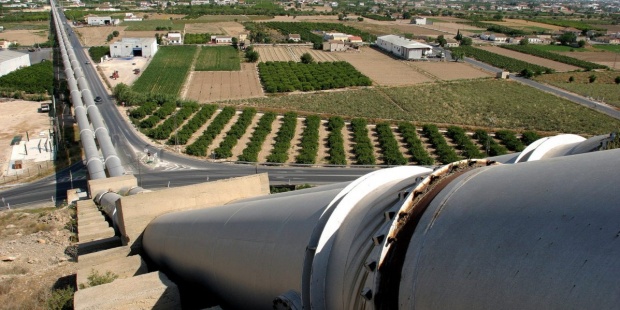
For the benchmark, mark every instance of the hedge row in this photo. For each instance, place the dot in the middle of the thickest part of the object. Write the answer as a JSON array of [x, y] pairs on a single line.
[[279, 154], [418, 152], [235, 133], [250, 153], [146, 109], [183, 135], [494, 149], [555, 57], [444, 152], [510, 140], [364, 152], [163, 112], [335, 142], [199, 147], [458, 135], [389, 145], [309, 141], [164, 130]]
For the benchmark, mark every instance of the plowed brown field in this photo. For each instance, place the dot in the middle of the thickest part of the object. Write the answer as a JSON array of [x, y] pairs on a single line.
[[209, 86]]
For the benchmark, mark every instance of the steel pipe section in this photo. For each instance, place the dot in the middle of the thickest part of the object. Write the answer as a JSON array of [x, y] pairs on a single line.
[[94, 163], [80, 95], [470, 235]]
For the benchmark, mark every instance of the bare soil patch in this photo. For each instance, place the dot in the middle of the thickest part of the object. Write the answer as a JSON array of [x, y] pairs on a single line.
[[209, 86], [448, 71], [33, 247], [292, 53], [18, 118], [322, 154], [229, 28], [520, 23], [604, 58], [97, 35], [25, 37], [383, 69], [124, 67], [557, 66]]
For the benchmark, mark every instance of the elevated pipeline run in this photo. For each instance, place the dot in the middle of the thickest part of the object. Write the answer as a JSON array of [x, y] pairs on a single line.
[[542, 234], [86, 112]]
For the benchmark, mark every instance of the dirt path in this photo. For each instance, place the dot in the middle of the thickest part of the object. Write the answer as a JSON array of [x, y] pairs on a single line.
[[296, 141], [348, 143], [269, 140], [321, 157], [220, 137], [245, 138]]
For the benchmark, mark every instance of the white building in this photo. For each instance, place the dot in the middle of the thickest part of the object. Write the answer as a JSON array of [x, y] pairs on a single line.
[[129, 17], [335, 36], [129, 47], [94, 20], [403, 48], [419, 20], [12, 60], [174, 38], [221, 39]]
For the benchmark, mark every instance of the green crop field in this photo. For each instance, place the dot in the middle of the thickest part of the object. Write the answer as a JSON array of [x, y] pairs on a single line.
[[603, 88], [610, 48], [167, 71], [483, 103], [151, 25], [218, 58]]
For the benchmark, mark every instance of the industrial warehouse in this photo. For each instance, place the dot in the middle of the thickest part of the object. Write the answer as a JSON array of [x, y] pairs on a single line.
[[134, 47], [403, 47], [12, 60]]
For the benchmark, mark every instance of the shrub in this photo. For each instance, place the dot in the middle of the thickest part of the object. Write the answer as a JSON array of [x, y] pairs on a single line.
[[94, 278], [492, 147], [185, 133], [263, 128], [418, 152], [509, 139], [444, 152], [164, 130], [389, 145], [309, 141], [527, 137], [235, 133], [279, 154], [363, 149], [335, 142], [592, 78], [199, 147], [462, 140]]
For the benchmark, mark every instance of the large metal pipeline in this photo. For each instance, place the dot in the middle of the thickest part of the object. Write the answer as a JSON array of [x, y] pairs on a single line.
[[80, 93], [470, 235]]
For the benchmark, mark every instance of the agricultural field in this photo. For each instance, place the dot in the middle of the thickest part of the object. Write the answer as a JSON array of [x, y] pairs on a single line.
[[608, 47], [96, 36], [557, 66], [291, 53], [151, 25], [222, 27], [499, 61], [448, 71], [167, 71], [224, 85], [526, 49], [218, 58], [466, 103], [603, 88], [454, 28], [608, 59], [383, 69], [278, 77], [526, 25], [25, 37]]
